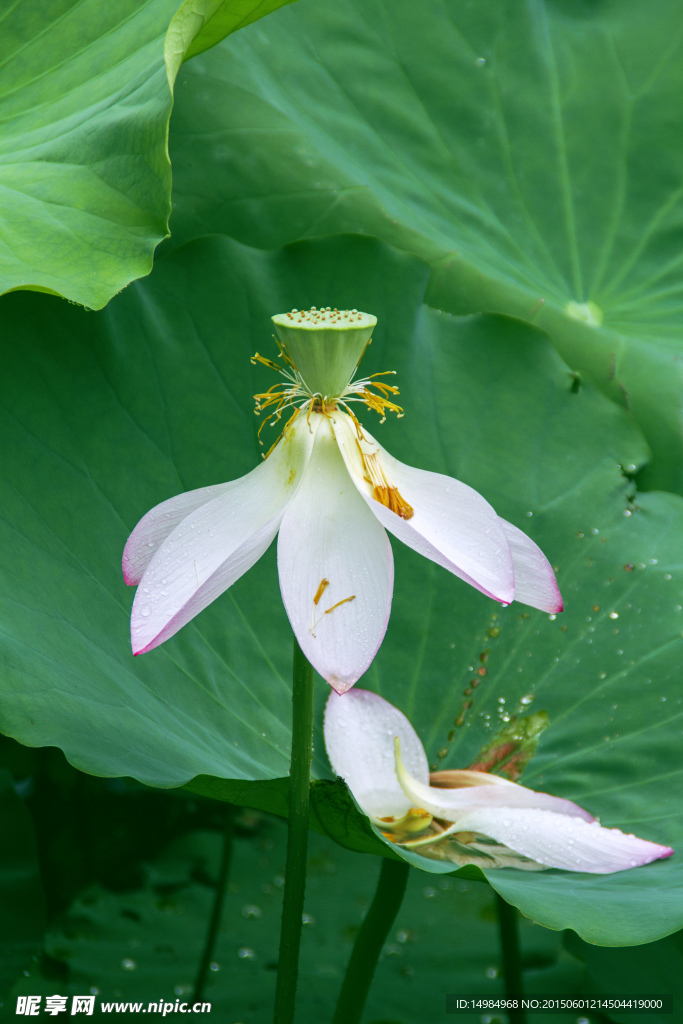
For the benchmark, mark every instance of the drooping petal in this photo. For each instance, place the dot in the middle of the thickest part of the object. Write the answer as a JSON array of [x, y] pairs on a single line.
[[438, 516], [451, 804], [335, 566], [535, 582], [215, 544], [158, 524], [563, 841], [359, 729]]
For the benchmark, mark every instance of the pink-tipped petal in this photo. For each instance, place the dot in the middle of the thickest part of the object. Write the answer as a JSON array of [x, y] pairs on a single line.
[[336, 568], [356, 728], [158, 524], [214, 545], [451, 523], [562, 841], [535, 582]]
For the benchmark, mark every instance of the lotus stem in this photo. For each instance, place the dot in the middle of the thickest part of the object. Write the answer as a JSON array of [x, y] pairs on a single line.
[[297, 837]]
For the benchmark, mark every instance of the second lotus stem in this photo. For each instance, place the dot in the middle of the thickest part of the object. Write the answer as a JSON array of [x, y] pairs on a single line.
[[297, 837]]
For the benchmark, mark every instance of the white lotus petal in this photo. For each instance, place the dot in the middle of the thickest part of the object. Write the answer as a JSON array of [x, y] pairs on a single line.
[[359, 730], [561, 841], [450, 804], [451, 523], [335, 566], [535, 582], [158, 524], [214, 545]]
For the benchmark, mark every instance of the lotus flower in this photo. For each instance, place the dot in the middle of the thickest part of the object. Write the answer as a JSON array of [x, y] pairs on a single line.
[[466, 817], [331, 491]]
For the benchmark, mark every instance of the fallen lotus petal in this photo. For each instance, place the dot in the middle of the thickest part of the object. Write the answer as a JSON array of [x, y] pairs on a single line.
[[332, 492], [466, 817]]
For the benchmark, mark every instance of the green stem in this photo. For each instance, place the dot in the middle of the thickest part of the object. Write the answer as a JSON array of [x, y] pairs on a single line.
[[297, 837], [508, 925], [216, 910], [393, 878]]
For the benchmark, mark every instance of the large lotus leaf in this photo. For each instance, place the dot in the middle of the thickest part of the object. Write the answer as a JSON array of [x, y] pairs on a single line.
[[106, 414], [655, 969], [530, 150], [86, 90], [145, 944]]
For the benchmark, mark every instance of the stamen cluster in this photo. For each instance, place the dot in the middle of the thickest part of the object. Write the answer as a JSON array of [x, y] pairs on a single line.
[[295, 393]]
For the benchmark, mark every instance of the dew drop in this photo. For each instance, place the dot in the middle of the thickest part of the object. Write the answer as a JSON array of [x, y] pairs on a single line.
[[128, 965], [480, 61], [251, 910], [146, 610]]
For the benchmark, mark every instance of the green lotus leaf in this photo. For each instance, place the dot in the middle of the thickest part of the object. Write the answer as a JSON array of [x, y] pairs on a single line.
[[86, 90], [106, 414], [531, 152]]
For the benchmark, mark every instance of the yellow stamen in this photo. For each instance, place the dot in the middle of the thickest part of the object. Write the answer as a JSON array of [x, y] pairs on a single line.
[[384, 491], [377, 402], [343, 601], [283, 395], [319, 593], [294, 392], [280, 436]]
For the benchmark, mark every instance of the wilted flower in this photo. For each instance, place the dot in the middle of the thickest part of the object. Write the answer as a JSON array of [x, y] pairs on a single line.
[[331, 491], [466, 817]]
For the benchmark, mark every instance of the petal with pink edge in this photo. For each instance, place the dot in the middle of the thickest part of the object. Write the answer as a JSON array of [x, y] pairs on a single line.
[[336, 568], [214, 545], [358, 728], [451, 523], [535, 582], [158, 524], [561, 841]]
